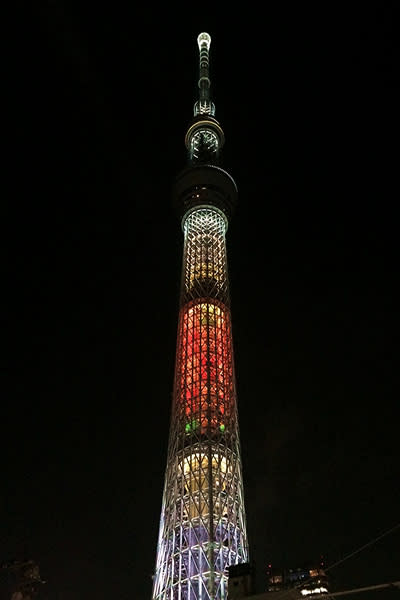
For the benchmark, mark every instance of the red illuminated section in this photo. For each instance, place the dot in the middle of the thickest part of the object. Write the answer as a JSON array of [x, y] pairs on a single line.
[[205, 393]]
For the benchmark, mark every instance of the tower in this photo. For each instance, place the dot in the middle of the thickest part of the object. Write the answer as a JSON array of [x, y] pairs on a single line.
[[202, 526]]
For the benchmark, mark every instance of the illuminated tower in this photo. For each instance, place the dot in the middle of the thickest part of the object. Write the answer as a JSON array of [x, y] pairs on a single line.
[[202, 525]]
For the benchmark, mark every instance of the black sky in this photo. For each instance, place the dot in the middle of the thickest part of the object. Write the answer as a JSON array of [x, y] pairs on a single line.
[[102, 95]]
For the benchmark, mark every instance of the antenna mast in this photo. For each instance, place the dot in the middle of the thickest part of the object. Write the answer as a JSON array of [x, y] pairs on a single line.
[[204, 106]]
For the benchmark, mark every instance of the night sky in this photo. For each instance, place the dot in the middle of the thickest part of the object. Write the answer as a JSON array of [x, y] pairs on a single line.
[[102, 95]]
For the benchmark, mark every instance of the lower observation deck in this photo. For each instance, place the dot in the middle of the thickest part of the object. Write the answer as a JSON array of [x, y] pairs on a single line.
[[204, 185]]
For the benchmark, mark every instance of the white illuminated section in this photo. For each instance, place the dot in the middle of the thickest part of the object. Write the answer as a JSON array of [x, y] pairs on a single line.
[[195, 461], [204, 39], [203, 138], [320, 590], [204, 106]]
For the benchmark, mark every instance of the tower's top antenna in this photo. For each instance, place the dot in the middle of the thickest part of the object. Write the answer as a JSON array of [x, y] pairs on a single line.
[[204, 138], [204, 104]]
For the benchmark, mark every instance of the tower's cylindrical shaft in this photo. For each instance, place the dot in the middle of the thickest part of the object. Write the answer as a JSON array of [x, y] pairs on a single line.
[[202, 527]]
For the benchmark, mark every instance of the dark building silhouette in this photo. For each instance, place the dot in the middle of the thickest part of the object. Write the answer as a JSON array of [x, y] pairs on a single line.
[[23, 580], [309, 579]]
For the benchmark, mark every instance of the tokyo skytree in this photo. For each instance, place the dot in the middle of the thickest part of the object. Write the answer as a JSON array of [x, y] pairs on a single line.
[[202, 527]]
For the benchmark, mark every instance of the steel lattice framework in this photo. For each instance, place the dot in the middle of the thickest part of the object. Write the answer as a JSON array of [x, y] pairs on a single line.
[[202, 526]]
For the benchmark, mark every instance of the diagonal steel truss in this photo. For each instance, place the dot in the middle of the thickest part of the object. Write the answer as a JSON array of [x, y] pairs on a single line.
[[202, 526]]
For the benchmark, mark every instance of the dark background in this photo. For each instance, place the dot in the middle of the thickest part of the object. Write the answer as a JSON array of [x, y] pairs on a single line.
[[101, 96]]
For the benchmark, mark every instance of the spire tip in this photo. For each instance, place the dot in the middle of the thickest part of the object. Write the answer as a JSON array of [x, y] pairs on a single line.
[[204, 39]]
